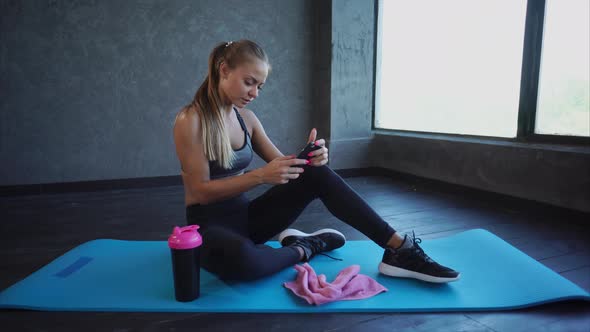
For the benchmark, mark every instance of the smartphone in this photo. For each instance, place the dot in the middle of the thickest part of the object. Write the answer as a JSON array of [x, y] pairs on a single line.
[[307, 149]]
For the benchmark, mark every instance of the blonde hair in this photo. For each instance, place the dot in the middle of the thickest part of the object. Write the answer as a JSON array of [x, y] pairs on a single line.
[[216, 141]]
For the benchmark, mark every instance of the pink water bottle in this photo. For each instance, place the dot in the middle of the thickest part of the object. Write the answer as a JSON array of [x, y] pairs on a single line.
[[184, 243]]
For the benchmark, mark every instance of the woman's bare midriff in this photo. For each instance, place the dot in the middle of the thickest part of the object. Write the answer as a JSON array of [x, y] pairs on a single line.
[[236, 134], [188, 198]]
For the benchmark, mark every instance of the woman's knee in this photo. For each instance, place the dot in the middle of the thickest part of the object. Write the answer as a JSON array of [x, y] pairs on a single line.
[[323, 170], [321, 175]]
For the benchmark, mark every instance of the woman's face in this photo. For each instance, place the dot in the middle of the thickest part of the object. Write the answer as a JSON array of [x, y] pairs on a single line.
[[242, 84]]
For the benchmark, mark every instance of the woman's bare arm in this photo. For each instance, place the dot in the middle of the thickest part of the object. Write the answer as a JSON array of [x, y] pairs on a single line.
[[195, 166]]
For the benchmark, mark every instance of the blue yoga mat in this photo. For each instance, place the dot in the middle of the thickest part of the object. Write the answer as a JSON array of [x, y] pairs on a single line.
[[116, 275]]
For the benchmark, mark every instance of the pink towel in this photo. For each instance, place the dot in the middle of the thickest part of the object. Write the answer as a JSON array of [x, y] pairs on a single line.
[[348, 285]]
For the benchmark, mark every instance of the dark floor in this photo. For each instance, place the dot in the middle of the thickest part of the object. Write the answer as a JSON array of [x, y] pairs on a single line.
[[37, 229]]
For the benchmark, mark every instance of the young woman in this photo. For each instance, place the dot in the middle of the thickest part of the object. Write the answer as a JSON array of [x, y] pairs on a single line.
[[215, 137]]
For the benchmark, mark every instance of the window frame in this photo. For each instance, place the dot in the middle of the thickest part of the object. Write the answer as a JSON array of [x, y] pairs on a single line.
[[529, 84]]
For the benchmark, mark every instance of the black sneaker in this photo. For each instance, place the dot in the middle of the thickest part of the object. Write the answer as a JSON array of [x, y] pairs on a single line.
[[326, 239], [414, 263]]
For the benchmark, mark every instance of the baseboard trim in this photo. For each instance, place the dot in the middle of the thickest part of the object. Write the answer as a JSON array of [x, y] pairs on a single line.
[[85, 186], [121, 184], [506, 201]]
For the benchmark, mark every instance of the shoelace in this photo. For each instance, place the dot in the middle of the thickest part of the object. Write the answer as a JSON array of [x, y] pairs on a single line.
[[334, 258], [318, 246], [418, 249]]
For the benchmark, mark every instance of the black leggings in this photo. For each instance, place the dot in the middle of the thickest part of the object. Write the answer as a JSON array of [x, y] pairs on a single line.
[[234, 230]]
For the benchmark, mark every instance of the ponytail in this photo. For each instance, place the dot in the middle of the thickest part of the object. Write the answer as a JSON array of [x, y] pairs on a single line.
[[216, 142]]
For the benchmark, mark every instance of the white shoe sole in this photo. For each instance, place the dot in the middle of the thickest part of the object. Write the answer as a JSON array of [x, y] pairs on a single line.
[[394, 271], [294, 232]]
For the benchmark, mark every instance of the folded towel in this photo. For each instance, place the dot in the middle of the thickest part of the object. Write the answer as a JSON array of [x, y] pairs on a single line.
[[348, 285]]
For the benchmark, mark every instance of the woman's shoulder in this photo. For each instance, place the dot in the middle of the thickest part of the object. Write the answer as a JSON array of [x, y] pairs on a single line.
[[187, 120], [188, 112], [252, 121], [247, 115], [249, 118]]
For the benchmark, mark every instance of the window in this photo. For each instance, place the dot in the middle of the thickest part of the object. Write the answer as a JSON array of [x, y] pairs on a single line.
[[451, 66], [455, 67], [563, 105]]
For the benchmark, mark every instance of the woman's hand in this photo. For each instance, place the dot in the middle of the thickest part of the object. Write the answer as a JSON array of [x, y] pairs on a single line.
[[281, 169], [319, 157]]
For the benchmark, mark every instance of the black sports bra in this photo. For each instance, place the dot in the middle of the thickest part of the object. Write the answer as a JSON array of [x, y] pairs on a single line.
[[243, 158]]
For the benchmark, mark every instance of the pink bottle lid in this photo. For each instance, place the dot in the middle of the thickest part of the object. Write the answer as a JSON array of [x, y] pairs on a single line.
[[185, 237]]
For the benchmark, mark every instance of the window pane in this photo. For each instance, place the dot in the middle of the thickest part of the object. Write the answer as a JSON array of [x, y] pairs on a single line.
[[564, 90], [450, 66]]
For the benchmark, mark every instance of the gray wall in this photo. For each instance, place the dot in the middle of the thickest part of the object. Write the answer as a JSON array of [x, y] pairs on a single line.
[[352, 83], [89, 89], [555, 175]]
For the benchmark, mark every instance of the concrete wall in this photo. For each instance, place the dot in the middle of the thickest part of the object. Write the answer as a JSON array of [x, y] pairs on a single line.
[[89, 89], [351, 83], [551, 174]]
